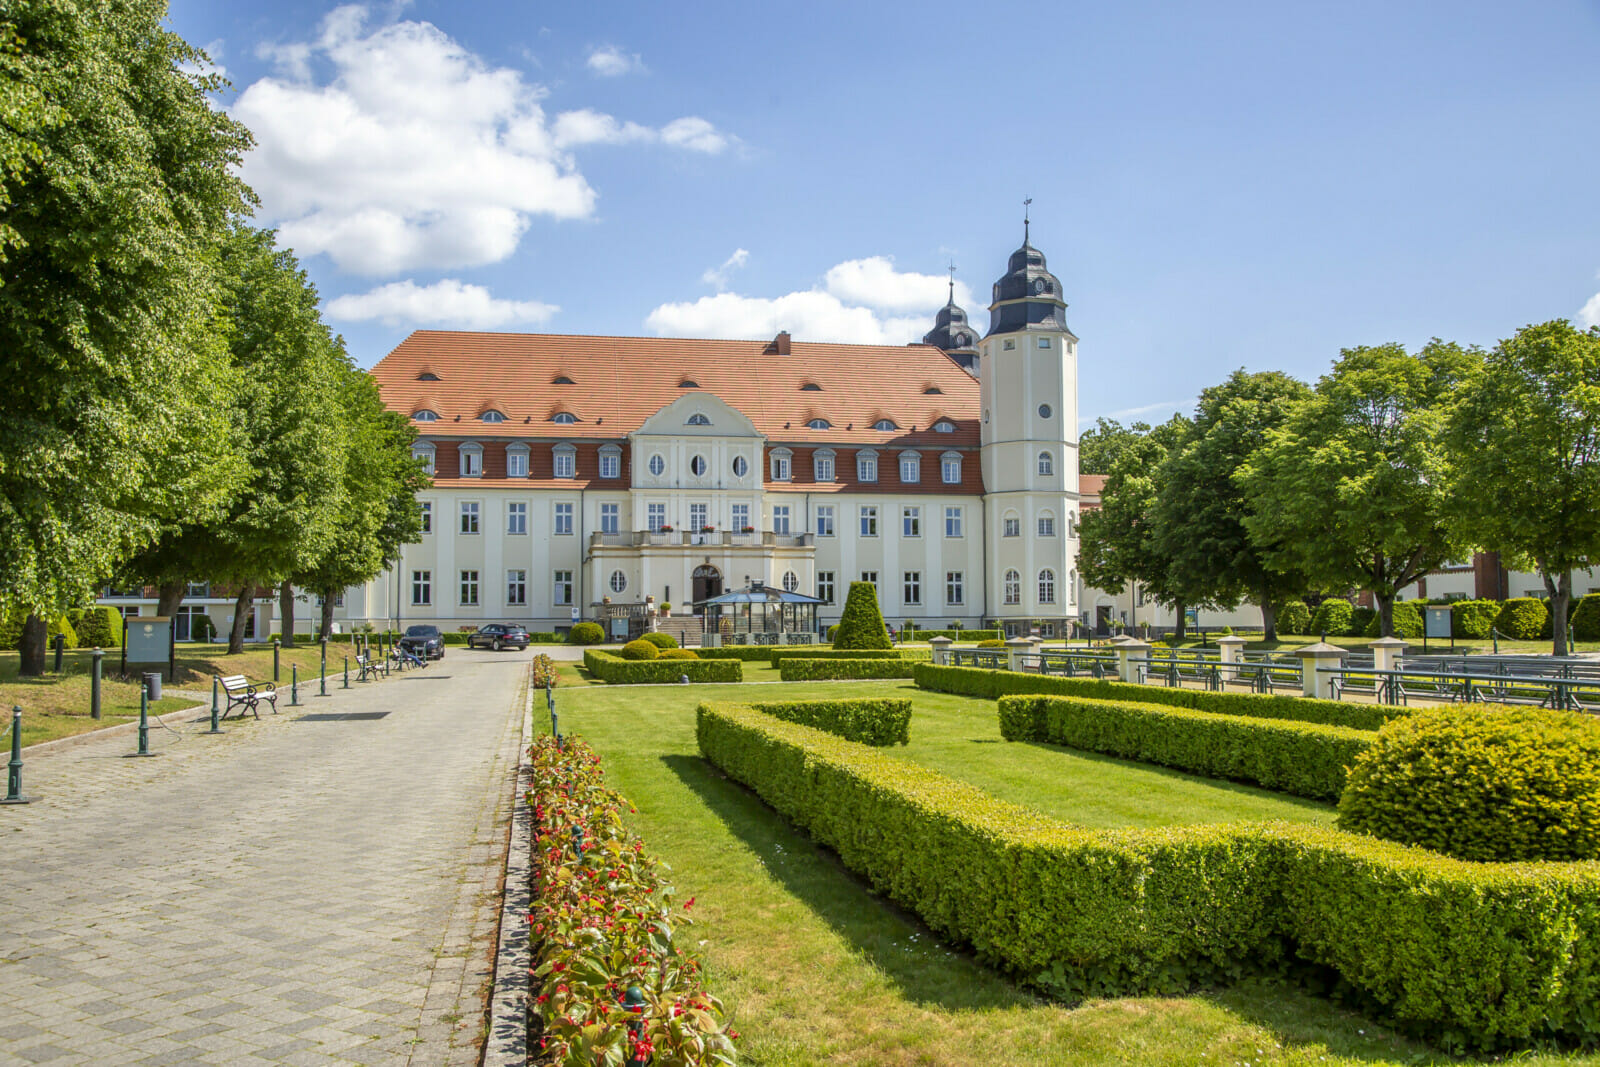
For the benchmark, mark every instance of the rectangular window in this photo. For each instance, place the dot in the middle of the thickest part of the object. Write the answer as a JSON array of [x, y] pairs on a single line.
[[421, 588], [1013, 526], [954, 589], [563, 589], [869, 522], [563, 515], [824, 468], [611, 464], [516, 518], [471, 463], [469, 516], [741, 517], [610, 520], [1010, 344], [1047, 525], [427, 516], [426, 455], [871, 578], [910, 468], [913, 587], [198, 589], [825, 586], [655, 516], [952, 522], [566, 463], [469, 589], [950, 470], [825, 520], [697, 517], [866, 468], [516, 587], [911, 522], [780, 519], [1044, 342], [516, 463], [780, 467]]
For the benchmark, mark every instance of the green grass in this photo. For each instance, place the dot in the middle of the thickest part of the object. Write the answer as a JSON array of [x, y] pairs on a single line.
[[819, 969]]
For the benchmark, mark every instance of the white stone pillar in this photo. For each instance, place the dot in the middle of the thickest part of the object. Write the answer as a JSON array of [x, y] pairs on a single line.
[[1129, 654], [1386, 653], [1230, 650], [1314, 682], [1016, 648], [941, 650]]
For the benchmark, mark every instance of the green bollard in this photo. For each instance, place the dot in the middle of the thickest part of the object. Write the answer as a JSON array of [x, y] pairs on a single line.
[[347, 672], [216, 682], [324, 667], [94, 684], [276, 645], [14, 771], [144, 723], [294, 685]]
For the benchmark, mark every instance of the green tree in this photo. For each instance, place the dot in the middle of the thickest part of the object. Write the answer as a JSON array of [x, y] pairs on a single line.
[[1526, 444], [1351, 490], [117, 177], [1200, 510], [1117, 542], [861, 624]]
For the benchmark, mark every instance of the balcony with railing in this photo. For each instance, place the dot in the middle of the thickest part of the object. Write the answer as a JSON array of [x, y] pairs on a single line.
[[700, 539]]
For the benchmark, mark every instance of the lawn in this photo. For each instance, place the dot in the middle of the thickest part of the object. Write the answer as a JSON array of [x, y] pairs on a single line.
[[819, 969]]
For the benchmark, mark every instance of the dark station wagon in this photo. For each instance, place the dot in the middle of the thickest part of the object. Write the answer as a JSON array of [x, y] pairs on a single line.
[[499, 635], [424, 641]]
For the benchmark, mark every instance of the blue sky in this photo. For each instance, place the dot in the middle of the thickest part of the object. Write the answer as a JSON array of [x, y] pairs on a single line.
[[1226, 185]]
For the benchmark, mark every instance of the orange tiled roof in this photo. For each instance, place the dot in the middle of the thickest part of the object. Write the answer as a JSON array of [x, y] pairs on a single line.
[[619, 382]]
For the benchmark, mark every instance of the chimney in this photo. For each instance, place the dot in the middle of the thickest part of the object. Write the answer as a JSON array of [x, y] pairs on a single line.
[[779, 345]]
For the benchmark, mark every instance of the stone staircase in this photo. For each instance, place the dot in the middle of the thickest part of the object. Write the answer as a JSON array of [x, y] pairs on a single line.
[[685, 628]]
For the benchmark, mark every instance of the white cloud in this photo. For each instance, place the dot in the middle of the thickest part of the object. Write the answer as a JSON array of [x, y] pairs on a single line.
[[861, 301], [444, 303], [612, 62], [411, 152], [1589, 314], [718, 276]]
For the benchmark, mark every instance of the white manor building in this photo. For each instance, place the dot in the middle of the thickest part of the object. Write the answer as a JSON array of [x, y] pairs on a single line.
[[572, 474]]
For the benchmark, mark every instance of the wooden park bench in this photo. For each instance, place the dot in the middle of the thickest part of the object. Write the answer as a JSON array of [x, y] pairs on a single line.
[[246, 697], [369, 666]]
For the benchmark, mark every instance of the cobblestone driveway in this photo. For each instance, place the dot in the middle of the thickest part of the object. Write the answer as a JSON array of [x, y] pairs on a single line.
[[308, 889]]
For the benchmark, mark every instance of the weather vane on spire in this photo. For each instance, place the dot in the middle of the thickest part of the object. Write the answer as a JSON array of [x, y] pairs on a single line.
[[1025, 205]]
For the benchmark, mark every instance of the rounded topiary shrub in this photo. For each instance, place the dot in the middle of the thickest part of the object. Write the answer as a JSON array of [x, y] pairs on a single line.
[[1294, 618], [991, 642], [1522, 618], [61, 625], [1482, 783], [585, 633], [640, 650], [1364, 619], [1585, 624], [1472, 618], [861, 625], [1407, 618], [661, 640], [678, 653], [1333, 617]]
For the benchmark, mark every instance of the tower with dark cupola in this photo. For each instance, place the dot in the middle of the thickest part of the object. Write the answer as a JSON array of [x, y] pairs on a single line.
[[953, 334], [1028, 385]]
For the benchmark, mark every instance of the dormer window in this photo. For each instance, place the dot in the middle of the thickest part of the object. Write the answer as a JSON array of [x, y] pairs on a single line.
[[782, 459], [492, 416], [866, 465], [910, 467], [944, 426], [425, 415], [688, 383], [932, 390], [885, 425], [563, 418], [950, 468], [822, 464], [698, 419], [561, 379], [517, 460], [427, 376], [565, 461], [471, 454], [819, 424], [610, 461], [811, 387], [424, 451]]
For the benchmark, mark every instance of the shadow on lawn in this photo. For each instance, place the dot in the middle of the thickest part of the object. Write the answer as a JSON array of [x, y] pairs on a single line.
[[927, 970]]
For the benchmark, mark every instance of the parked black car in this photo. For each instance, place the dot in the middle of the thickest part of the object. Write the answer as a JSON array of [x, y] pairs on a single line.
[[499, 635], [424, 641]]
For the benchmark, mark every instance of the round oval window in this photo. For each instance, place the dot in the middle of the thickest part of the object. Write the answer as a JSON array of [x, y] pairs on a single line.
[[657, 465], [619, 581], [698, 465], [1044, 411], [740, 467]]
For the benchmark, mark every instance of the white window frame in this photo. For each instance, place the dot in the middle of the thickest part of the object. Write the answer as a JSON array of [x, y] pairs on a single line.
[[950, 468], [869, 520], [1047, 586], [516, 588], [422, 583], [1011, 525], [564, 461], [825, 520], [1047, 465], [791, 581], [426, 452], [561, 516], [470, 459], [954, 518], [516, 517], [741, 517], [469, 589], [911, 521], [1046, 524], [910, 468], [955, 591], [911, 587], [610, 462], [825, 586], [427, 516], [657, 466], [517, 461], [867, 465], [561, 588], [610, 518], [471, 512], [782, 465], [655, 515], [1011, 586], [781, 519], [618, 583], [822, 464]]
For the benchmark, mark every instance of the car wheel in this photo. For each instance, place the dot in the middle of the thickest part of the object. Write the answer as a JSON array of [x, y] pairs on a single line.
[[497, 644]]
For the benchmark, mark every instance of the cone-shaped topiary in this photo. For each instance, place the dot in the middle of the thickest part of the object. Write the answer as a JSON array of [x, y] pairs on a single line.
[[1478, 783], [862, 626]]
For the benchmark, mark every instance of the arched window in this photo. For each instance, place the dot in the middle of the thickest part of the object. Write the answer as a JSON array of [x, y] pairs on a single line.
[[566, 461], [822, 464], [425, 415], [427, 376], [911, 467], [471, 454], [1046, 464], [561, 379], [424, 451], [885, 425], [811, 387], [819, 424], [791, 581], [782, 459], [1072, 587], [866, 465], [932, 390], [563, 418], [619, 581], [1047, 586], [493, 416], [1072, 524], [610, 461], [944, 426], [688, 383], [1013, 588], [698, 419], [517, 460], [950, 468]]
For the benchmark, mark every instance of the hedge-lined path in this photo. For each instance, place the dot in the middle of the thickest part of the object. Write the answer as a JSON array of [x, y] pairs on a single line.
[[301, 890]]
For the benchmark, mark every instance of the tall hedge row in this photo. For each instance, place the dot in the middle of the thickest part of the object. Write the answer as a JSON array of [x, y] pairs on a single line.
[[990, 685], [611, 668], [867, 721], [1491, 955], [1301, 758], [954, 635], [824, 670]]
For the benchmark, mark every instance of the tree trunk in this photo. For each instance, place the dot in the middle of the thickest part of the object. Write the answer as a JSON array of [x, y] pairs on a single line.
[[1181, 622], [241, 604], [1385, 614], [1560, 598], [169, 597], [35, 633], [328, 596], [286, 611], [1269, 620]]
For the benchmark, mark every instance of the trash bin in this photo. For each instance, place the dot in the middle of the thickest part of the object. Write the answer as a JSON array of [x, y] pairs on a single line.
[[152, 685]]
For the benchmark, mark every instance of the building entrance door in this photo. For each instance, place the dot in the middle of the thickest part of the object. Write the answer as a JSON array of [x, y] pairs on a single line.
[[707, 584], [1102, 620]]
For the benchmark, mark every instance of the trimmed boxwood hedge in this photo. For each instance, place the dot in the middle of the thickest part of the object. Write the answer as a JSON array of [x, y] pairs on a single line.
[[1490, 955], [954, 635], [992, 684], [609, 667], [1302, 758], [865, 721], [1333, 617], [1522, 618], [795, 669]]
